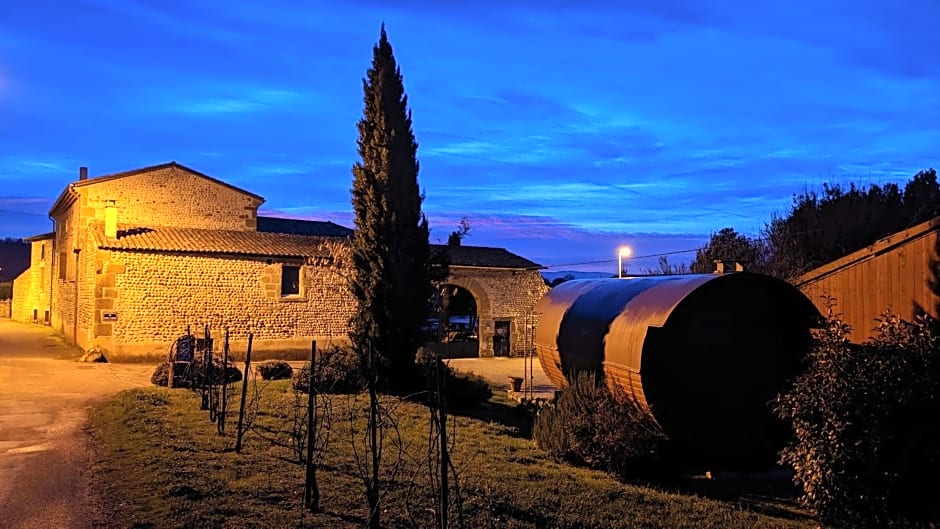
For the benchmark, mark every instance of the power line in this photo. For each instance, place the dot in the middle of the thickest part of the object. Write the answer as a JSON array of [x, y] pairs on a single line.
[[603, 261], [663, 254]]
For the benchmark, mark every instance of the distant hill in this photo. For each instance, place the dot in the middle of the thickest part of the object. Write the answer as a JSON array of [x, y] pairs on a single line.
[[14, 258], [551, 276]]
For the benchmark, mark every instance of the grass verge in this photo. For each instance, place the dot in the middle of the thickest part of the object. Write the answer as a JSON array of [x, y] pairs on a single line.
[[161, 464]]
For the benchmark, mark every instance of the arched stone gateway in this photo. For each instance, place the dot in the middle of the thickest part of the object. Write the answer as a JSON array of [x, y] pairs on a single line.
[[505, 300]]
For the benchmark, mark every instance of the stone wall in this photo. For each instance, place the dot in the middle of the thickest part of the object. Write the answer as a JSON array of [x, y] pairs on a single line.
[[503, 295], [64, 270], [152, 297], [143, 301], [5, 308], [172, 197], [31, 288], [85, 281]]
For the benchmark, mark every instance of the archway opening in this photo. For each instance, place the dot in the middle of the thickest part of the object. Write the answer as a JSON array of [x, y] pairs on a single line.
[[453, 328]]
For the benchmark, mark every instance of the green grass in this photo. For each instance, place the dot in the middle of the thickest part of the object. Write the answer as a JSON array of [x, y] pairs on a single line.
[[237, 356], [160, 463]]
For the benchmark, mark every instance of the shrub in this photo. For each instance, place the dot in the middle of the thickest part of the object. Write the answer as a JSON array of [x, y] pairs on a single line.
[[6, 290], [593, 425], [191, 375], [867, 441], [465, 391], [275, 370], [337, 370]]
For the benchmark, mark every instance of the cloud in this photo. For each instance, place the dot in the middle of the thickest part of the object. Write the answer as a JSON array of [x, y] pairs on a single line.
[[14, 201], [245, 99], [20, 224], [564, 245], [183, 19], [286, 169], [36, 169], [628, 117], [547, 240]]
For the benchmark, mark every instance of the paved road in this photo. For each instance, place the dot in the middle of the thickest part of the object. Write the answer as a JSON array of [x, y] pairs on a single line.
[[44, 453]]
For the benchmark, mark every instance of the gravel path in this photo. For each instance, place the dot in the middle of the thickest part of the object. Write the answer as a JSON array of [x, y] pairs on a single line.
[[44, 452]]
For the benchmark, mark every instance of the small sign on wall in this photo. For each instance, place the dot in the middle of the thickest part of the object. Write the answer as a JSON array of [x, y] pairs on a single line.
[[109, 316]]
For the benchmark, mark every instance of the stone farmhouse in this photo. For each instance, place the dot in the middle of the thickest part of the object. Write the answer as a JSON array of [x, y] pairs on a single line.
[[136, 257]]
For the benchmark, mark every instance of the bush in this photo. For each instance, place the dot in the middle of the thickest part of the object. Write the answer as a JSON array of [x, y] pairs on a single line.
[[465, 391], [275, 370], [6, 290], [337, 370], [865, 420], [593, 425], [191, 375]]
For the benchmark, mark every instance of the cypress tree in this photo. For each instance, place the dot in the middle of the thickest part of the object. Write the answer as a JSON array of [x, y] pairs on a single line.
[[392, 266]]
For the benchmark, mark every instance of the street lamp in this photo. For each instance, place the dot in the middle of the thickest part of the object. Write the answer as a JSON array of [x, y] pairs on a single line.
[[624, 251]]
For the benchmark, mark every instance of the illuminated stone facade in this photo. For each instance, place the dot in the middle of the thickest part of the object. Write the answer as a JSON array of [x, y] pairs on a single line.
[[31, 289], [503, 295], [136, 257]]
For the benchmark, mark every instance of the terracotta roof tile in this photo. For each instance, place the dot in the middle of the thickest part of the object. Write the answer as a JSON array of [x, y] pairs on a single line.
[[303, 227], [485, 257], [191, 240], [40, 237], [477, 256], [229, 242]]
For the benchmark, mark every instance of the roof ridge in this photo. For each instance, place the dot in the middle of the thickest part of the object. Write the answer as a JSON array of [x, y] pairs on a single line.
[[151, 168]]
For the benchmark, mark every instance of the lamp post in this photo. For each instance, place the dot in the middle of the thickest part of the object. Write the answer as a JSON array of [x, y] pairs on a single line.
[[624, 251]]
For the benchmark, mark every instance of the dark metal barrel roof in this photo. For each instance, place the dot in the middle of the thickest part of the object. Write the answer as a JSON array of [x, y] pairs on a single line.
[[605, 321], [703, 353]]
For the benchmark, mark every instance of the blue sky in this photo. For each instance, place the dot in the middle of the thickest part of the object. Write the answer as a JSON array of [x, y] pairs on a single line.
[[561, 130]]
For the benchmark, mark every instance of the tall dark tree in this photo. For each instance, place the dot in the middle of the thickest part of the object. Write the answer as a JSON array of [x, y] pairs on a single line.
[[922, 197], [665, 268], [457, 236], [390, 251], [824, 226], [14, 258], [727, 245], [390, 247]]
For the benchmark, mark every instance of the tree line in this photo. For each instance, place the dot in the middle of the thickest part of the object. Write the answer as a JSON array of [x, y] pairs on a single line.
[[14, 258], [822, 226]]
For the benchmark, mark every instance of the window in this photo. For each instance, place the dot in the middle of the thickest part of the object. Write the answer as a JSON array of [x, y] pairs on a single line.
[[42, 251], [63, 265], [290, 280]]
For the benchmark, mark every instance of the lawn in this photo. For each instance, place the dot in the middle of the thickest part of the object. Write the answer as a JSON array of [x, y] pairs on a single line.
[[162, 464]]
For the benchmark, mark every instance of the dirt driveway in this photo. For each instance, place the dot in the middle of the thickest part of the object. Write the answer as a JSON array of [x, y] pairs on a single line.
[[44, 453]]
